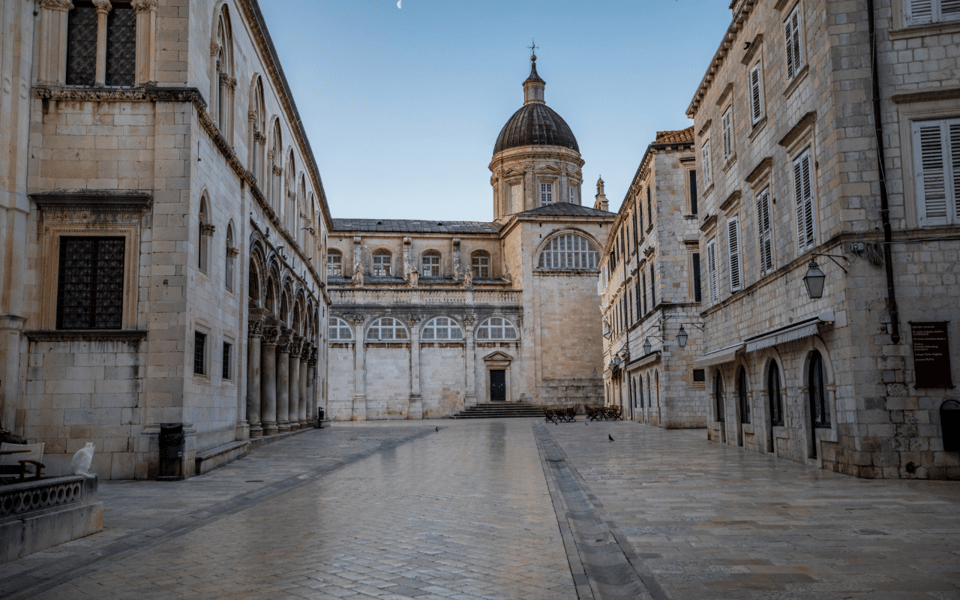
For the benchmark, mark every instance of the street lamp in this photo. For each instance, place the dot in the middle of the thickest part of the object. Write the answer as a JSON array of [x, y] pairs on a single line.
[[647, 346], [682, 337], [814, 280]]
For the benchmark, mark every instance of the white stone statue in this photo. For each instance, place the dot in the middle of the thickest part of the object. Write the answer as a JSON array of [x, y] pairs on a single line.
[[82, 460]]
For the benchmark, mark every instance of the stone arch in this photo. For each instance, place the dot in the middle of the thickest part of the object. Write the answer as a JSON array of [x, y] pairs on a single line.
[[222, 80], [230, 257], [276, 158], [290, 195], [298, 318], [256, 283], [442, 328], [813, 434]]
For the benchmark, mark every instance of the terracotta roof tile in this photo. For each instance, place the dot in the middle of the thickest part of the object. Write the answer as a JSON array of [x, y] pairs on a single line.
[[683, 136]]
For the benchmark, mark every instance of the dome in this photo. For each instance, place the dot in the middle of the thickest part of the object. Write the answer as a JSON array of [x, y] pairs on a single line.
[[535, 124]]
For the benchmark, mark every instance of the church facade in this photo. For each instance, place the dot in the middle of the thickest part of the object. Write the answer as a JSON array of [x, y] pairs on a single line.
[[431, 317]]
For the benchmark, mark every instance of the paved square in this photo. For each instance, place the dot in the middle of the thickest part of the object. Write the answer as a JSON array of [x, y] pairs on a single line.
[[508, 509]]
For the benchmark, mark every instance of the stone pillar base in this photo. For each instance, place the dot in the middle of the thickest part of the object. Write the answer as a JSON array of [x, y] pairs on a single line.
[[256, 432], [270, 429]]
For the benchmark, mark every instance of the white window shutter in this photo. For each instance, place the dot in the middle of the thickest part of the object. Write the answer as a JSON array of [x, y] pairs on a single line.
[[808, 208], [756, 94], [788, 45], [918, 12], [792, 43], [712, 269], [931, 172], [733, 253], [707, 169], [949, 10]]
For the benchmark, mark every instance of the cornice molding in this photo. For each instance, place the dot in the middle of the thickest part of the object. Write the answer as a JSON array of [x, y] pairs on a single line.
[[130, 336], [117, 201]]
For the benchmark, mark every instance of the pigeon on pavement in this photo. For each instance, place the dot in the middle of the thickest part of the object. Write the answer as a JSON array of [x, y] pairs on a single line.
[[610, 436]]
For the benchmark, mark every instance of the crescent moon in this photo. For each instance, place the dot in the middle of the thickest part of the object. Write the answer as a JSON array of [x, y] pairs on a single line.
[[398, 3]]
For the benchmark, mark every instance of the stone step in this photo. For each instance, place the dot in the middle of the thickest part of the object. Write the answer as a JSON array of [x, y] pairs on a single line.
[[500, 410]]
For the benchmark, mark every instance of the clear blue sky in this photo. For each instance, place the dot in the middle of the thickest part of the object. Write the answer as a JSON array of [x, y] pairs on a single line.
[[403, 106]]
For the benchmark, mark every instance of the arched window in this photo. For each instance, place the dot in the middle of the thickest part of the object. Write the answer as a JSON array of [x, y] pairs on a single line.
[[339, 330], [275, 169], [387, 329], [656, 386], [497, 328], [382, 262], [442, 329], [89, 62], [230, 257], [203, 236], [819, 410], [334, 263], [742, 396], [258, 131], [430, 264], [480, 263], [569, 251], [718, 397], [290, 206], [633, 387], [774, 396], [640, 379], [223, 80]]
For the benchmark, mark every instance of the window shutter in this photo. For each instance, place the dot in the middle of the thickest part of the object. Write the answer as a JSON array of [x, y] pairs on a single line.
[[763, 225], [949, 10], [930, 173], [733, 253], [644, 276], [954, 136], [653, 288], [712, 269], [727, 121], [788, 45], [791, 34], [696, 277], [707, 170], [756, 100], [919, 12], [803, 189]]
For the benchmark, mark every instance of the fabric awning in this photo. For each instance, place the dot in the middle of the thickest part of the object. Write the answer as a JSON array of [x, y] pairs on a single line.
[[791, 333], [717, 357]]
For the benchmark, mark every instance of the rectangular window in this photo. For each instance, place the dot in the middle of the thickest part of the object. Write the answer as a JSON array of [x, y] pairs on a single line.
[[693, 191], [335, 264], [381, 265], [726, 122], [649, 211], [765, 230], [705, 163], [712, 270], [90, 283], [571, 194], [630, 320], [653, 288], [199, 353], [634, 229], [733, 253], [430, 265], [227, 358], [480, 263], [803, 192], [756, 94], [637, 296], [936, 159], [121, 45], [82, 44], [792, 34], [644, 279], [640, 215], [696, 277], [699, 375], [922, 12], [546, 194], [516, 198]]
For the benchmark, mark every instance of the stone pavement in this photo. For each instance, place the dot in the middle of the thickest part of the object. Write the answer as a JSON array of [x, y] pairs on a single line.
[[508, 509]]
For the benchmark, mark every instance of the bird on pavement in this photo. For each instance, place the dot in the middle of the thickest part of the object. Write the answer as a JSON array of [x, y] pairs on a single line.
[[438, 429], [610, 436]]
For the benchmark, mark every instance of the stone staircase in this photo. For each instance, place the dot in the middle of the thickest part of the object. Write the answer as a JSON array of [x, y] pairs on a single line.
[[500, 410]]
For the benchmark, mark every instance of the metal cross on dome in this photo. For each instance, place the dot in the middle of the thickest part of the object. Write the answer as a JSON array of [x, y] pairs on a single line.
[[533, 47]]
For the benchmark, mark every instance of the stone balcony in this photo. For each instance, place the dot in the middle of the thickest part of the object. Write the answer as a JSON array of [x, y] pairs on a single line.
[[425, 297]]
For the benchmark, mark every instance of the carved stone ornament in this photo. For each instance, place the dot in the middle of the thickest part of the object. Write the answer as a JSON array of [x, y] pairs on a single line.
[[358, 274], [102, 6], [414, 319], [271, 335], [207, 229], [284, 343], [468, 278], [256, 328], [142, 5], [56, 4], [358, 319], [277, 170], [233, 252], [469, 320], [214, 48], [414, 278]]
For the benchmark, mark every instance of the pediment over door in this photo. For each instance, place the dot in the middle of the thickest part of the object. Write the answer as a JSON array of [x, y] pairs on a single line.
[[498, 360]]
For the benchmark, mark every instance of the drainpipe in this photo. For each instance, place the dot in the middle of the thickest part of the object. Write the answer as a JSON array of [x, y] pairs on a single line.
[[884, 204]]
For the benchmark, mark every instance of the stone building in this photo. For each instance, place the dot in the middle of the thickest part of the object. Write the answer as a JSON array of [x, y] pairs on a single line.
[[795, 189], [160, 210], [650, 290], [429, 318]]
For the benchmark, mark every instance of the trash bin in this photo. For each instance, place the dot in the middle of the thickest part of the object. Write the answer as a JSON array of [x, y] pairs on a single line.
[[171, 452], [319, 417]]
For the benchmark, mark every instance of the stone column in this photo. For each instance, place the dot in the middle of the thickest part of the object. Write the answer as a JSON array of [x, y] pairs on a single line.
[[359, 371], [146, 67], [53, 40], [103, 7], [416, 400], [471, 361], [253, 377], [312, 386], [304, 402], [268, 380], [293, 392], [283, 381], [457, 261]]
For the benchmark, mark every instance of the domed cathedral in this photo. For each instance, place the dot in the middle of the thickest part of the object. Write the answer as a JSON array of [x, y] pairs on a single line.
[[430, 319]]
